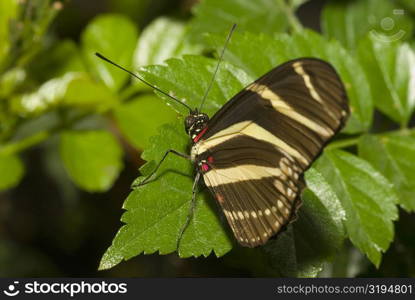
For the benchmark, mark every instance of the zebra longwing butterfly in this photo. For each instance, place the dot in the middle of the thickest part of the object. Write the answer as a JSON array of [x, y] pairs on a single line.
[[253, 152]]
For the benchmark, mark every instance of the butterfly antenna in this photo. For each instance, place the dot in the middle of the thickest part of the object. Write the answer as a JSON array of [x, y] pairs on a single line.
[[217, 66], [142, 80]]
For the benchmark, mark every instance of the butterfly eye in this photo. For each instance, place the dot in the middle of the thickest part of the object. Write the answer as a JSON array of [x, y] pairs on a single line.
[[188, 122]]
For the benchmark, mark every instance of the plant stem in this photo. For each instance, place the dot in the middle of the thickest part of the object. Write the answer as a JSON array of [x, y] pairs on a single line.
[[343, 143], [290, 14], [23, 144]]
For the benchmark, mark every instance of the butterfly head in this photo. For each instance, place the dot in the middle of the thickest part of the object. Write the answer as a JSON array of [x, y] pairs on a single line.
[[195, 123]]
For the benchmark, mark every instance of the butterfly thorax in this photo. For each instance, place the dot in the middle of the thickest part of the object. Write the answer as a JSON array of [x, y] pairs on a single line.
[[196, 125]]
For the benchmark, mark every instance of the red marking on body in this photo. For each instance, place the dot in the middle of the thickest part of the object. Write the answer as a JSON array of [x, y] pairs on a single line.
[[210, 159], [220, 198], [197, 138], [205, 167]]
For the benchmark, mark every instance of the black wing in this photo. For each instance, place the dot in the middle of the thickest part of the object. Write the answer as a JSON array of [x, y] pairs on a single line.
[[259, 144]]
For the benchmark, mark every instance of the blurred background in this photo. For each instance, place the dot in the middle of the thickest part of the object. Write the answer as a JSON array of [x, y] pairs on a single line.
[[59, 208]]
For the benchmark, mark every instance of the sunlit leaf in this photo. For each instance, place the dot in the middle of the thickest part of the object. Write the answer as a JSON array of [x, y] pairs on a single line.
[[162, 205], [409, 4], [367, 198], [72, 89], [139, 118], [93, 159], [350, 21], [390, 69], [55, 62], [257, 54], [394, 156], [46, 97], [267, 16], [162, 39], [11, 170], [115, 37]]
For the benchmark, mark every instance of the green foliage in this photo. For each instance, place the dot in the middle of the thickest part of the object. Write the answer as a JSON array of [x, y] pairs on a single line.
[[269, 16], [258, 54], [114, 36], [188, 79], [156, 213], [133, 118], [162, 39], [70, 82], [347, 198], [11, 171], [92, 158], [367, 198], [350, 21]]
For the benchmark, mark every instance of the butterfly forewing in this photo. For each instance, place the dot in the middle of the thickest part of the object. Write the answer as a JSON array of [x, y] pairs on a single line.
[[258, 145]]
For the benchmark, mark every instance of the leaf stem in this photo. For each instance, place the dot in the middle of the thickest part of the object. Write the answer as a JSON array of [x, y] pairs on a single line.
[[353, 141], [343, 143], [288, 9], [37, 138]]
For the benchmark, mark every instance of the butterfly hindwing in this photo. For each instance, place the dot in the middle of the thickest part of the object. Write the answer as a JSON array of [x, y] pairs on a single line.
[[258, 145], [258, 196]]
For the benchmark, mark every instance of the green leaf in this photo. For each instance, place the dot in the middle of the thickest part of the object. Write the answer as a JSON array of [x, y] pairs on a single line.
[[11, 80], [296, 3], [328, 198], [367, 198], [257, 54], [11, 171], [318, 235], [93, 159], [138, 119], [115, 37], [140, 11], [8, 11], [188, 79], [72, 89], [157, 211], [84, 93], [162, 39], [48, 96], [390, 71], [269, 16], [394, 156], [350, 21], [254, 53], [319, 230]]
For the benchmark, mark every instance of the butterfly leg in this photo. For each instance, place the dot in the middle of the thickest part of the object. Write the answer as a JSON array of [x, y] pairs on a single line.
[[146, 180], [191, 210]]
